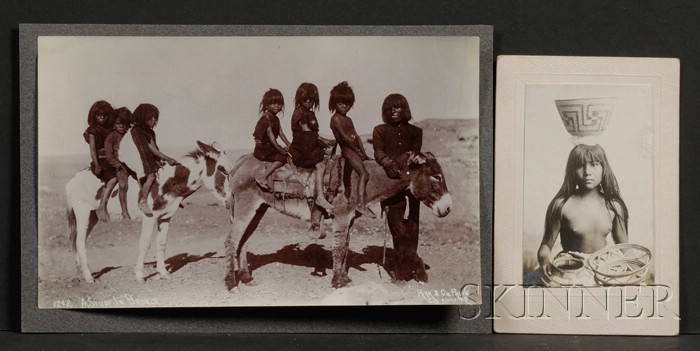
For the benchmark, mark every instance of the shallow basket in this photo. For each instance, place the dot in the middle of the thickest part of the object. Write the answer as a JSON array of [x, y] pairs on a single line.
[[622, 264]]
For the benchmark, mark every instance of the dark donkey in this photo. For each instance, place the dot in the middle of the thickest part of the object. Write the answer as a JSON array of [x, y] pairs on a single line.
[[421, 174]]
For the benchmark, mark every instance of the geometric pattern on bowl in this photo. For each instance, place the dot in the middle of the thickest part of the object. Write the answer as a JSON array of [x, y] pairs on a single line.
[[621, 264], [585, 117]]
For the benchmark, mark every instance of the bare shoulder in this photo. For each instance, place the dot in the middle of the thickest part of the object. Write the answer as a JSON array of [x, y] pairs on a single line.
[[338, 120], [556, 207]]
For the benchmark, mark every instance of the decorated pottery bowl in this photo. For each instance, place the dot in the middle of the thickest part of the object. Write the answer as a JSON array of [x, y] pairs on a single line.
[[585, 117]]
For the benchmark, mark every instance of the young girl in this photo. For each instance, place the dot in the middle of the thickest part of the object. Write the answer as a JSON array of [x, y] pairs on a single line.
[[587, 207], [122, 123], [308, 148], [145, 119], [341, 101], [266, 132], [99, 126]]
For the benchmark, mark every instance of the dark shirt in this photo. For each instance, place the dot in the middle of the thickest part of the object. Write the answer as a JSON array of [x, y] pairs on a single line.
[[142, 136], [266, 120], [393, 140], [304, 116], [100, 134], [112, 148], [265, 150]]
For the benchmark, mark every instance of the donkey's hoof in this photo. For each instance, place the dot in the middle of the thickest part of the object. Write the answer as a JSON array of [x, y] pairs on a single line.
[[341, 282], [162, 275], [231, 282]]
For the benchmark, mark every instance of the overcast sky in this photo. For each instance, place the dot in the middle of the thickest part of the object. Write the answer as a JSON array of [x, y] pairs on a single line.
[[209, 88]]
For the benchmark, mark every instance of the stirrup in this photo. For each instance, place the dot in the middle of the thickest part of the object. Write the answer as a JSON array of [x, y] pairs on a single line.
[[365, 211], [263, 184]]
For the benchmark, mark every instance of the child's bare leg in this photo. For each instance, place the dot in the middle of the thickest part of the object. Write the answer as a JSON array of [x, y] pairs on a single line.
[[123, 179], [143, 195], [262, 180], [356, 163], [102, 208], [320, 199]]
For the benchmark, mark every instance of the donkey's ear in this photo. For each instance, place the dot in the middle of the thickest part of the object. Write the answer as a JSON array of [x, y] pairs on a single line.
[[416, 160], [208, 149]]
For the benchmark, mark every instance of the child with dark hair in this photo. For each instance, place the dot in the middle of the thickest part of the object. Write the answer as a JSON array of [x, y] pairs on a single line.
[[308, 148], [99, 126], [122, 123], [266, 132], [341, 101], [587, 207], [145, 119]]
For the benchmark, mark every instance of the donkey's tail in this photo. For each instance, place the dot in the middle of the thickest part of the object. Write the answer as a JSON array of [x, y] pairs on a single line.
[[72, 228]]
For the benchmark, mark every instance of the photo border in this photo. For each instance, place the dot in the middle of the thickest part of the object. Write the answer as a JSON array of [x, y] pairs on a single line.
[[514, 74], [375, 319]]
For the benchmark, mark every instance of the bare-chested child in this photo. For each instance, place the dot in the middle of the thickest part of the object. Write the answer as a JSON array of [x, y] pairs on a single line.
[[341, 101], [586, 209]]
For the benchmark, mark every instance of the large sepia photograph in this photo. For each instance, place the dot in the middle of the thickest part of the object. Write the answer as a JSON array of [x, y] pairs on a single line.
[[257, 171]]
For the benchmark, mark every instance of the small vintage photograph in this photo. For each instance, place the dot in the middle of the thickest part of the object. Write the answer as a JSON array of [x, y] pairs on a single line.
[[586, 196], [588, 185], [272, 171]]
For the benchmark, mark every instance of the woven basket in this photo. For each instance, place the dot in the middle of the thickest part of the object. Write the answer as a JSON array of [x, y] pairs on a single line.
[[622, 264]]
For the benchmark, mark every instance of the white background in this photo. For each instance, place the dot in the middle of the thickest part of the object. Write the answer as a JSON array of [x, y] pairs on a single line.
[[547, 146], [209, 88]]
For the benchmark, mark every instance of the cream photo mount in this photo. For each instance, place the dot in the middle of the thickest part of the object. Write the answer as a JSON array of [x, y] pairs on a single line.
[[527, 88]]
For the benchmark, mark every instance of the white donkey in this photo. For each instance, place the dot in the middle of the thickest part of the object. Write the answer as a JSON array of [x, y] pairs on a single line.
[[206, 166]]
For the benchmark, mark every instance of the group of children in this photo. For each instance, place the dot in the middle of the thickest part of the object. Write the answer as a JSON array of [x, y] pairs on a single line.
[[307, 148], [106, 128]]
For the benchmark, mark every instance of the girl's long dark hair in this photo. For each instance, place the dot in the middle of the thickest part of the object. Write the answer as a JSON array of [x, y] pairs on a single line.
[[270, 97], [307, 90], [580, 155], [143, 113], [100, 108]]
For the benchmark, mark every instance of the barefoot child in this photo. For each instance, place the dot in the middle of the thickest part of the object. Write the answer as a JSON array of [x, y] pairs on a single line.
[[266, 132], [99, 127], [341, 101], [122, 123], [587, 207], [307, 147], [145, 119]]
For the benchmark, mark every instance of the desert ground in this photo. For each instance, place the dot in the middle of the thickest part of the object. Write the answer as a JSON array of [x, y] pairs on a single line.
[[282, 255]]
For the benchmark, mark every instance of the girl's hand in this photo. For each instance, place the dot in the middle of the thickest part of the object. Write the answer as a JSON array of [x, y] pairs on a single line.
[[95, 168], [173, 162]]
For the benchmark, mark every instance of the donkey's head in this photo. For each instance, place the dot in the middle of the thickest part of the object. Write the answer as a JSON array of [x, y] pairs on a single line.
[[215, 170], [428, 183]]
